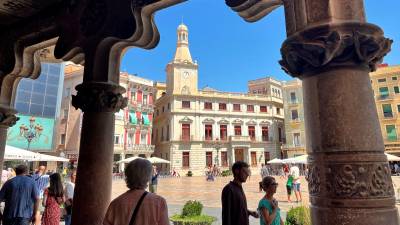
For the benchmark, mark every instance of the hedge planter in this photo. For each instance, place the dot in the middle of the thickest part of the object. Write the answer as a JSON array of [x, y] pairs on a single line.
[[193, 220], [191, 215]]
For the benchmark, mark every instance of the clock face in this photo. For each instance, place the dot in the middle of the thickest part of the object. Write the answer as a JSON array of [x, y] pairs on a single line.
[[185, 75]]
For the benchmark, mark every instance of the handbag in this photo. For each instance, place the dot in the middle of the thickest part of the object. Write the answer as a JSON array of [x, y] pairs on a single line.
[[135, 211]]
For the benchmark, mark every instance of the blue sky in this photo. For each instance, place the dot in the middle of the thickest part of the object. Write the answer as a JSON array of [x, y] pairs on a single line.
[[231, 51]]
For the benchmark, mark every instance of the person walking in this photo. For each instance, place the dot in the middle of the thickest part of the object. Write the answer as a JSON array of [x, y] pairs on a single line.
[[21, 197], [69, 196], [295, 172], [154, 181], [53, 197], [234, 203], [289, 187], [136, 206], [263, 173], [268, 206], [42, 181]]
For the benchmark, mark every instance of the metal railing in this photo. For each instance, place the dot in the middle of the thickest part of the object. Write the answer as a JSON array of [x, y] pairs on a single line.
[[140, 148]]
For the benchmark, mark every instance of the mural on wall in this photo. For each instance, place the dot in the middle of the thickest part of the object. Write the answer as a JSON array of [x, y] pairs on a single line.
[[31, 133]]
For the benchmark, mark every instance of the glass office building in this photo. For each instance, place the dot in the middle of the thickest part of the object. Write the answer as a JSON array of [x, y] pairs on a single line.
[[41, 97]]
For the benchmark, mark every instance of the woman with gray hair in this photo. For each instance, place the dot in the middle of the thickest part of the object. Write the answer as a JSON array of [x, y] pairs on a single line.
[[137, 206]]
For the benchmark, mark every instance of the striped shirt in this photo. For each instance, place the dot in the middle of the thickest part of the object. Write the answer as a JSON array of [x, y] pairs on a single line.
[[42, 181]]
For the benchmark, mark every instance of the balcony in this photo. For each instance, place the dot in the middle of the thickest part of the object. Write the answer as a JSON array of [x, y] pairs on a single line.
[[389, 116], [392, 139], [186, 138], [238, 138], [296, 120], [140, 148], [293, 146], [384, 97], [293, 102]]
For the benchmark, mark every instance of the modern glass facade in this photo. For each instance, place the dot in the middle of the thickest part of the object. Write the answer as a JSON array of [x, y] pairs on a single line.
[[41, 97]]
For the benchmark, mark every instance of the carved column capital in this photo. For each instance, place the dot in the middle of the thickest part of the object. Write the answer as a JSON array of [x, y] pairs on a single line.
[[7, 117], [99, 97], [348, 44]]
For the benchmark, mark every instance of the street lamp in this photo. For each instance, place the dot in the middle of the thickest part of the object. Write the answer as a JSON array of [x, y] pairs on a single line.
[[217, 145], [31, 132]]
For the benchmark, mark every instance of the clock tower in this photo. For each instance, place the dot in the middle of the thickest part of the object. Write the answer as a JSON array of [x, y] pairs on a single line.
[[182, 75]]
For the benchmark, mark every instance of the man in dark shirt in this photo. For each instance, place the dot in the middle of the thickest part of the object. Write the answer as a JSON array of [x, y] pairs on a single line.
[[234, 203], [21, 196]]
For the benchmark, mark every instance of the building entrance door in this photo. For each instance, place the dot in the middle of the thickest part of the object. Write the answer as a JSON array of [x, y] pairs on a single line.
[[239, 154]]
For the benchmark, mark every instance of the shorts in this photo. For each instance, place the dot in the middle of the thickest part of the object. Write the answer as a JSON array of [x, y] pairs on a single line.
[[289, 190], [296, 187]]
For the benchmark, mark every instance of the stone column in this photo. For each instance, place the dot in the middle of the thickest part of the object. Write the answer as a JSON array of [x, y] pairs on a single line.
[[332, 49], [98, 101], [7, 119]]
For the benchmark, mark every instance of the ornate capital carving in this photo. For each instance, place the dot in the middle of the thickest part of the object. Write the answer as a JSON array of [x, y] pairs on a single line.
[[7, 117], [350, 44], [99, 97]]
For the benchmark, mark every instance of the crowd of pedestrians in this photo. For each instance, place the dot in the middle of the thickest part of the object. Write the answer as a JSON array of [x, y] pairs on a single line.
[[41, 198], [38, 198]]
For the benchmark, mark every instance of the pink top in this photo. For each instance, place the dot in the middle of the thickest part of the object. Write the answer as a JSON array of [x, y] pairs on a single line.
[[153, 210]]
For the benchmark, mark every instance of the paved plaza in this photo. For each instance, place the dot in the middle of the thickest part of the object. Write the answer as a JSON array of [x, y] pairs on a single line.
[[179, 190]]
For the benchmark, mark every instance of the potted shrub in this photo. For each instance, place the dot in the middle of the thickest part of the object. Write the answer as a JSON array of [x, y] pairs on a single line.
[[189, 173], [226, 173], [191, 215], [298, 216]]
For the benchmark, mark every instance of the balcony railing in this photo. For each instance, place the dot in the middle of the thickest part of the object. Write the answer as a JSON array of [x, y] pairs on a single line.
[[140, 148], [296, 120], [186, 138], [293, 101], [384, 97], [239, 138], [297, 145]]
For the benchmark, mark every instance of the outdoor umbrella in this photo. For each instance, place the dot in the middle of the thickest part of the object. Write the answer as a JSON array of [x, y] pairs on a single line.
[[128, 159], [157, 160], [50, 158], [392, 157], [275, 161], [13, 153]]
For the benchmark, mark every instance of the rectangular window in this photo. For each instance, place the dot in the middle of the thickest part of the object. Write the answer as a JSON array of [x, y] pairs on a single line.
[[296, 139], [295, 114], [236, 107], [208, 132], [143, 138], [382, 80], [263, 108], [253, 158], [224, 159], [398, 108], [252, 132], [133, 96], [209, 161], [186, 104], [280, 134], [62, 139], [384, 91], [396, 89], [144, 99], [185, 132], [264, 133], [250, 108], [223, 134], [185, 159], [167, 132], [394, 78], [116, 139], [293, 98], [391, 132], [208, 105], [387, 110], [267, 157], [238, 130], [278, 111], [222, 106]]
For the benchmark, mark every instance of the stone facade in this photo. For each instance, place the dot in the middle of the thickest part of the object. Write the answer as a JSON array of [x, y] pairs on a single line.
[[385, 84], [197, 128], [294, 119]]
